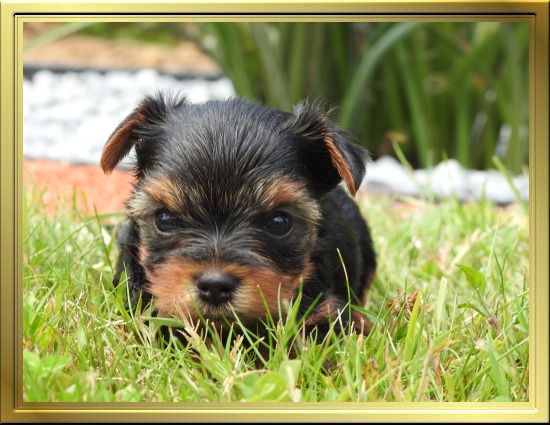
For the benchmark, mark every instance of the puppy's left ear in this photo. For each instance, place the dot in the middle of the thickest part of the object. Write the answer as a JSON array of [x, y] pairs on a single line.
[[329, 153]]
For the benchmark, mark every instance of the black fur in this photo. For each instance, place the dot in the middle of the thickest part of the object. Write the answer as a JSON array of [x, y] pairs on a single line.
[[221, 156]]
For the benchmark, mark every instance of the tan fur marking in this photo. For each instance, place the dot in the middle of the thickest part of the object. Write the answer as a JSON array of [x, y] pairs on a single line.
[[142, 253], [259, 285], [173, 286], [119, 144], [141, 204], [284, 192], [340, 164], [164, 191]]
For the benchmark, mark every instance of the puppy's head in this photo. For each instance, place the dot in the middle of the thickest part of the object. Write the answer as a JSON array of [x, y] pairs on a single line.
[[226, 200]]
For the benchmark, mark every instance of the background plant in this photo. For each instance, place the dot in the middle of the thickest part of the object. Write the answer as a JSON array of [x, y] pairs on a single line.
[[448, 88], [444, 89]]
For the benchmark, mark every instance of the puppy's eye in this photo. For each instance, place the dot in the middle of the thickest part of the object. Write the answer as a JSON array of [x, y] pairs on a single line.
[[166, 220], [278, 224]]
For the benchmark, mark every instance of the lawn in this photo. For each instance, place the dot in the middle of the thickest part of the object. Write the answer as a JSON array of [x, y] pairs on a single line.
[[449, 309]]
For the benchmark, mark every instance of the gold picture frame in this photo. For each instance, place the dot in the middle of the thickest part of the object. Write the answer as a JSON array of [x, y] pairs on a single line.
[[15, 14]]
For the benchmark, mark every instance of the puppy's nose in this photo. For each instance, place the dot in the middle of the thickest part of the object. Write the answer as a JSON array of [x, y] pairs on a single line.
[[216, 287]]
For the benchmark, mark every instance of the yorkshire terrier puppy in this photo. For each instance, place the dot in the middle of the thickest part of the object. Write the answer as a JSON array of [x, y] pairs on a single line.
[[236, 208]]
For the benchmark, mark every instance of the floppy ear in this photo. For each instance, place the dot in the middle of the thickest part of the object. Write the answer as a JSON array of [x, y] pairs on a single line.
[[140, 123], [329, 153], [120, 141]]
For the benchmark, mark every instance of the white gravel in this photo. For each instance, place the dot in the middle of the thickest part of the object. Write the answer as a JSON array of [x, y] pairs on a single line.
[[446, 179], [69, 116]]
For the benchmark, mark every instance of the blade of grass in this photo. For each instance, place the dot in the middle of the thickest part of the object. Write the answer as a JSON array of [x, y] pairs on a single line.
[[420, 125], [463, 140], [276, 85], [440, 304], [498, 163], [296, 67], [371, 59], [411, 337], [496, 371], [54, 34]]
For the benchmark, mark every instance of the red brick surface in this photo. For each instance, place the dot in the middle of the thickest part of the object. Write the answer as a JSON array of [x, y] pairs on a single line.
[[93, 188]]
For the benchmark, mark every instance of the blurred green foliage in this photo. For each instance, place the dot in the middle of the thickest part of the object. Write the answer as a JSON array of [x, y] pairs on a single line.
[[442, 89]]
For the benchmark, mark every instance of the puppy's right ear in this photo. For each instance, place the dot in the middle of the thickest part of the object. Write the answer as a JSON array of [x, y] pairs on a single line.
[[120, 141], [151, 111]]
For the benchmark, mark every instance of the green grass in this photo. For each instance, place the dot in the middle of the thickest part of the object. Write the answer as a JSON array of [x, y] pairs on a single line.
[[449, 309]]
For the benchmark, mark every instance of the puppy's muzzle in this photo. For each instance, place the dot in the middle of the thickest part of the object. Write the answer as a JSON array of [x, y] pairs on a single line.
[[216, 287]]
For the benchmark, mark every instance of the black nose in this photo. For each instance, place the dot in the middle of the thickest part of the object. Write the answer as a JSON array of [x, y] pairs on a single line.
[[216, 287]]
